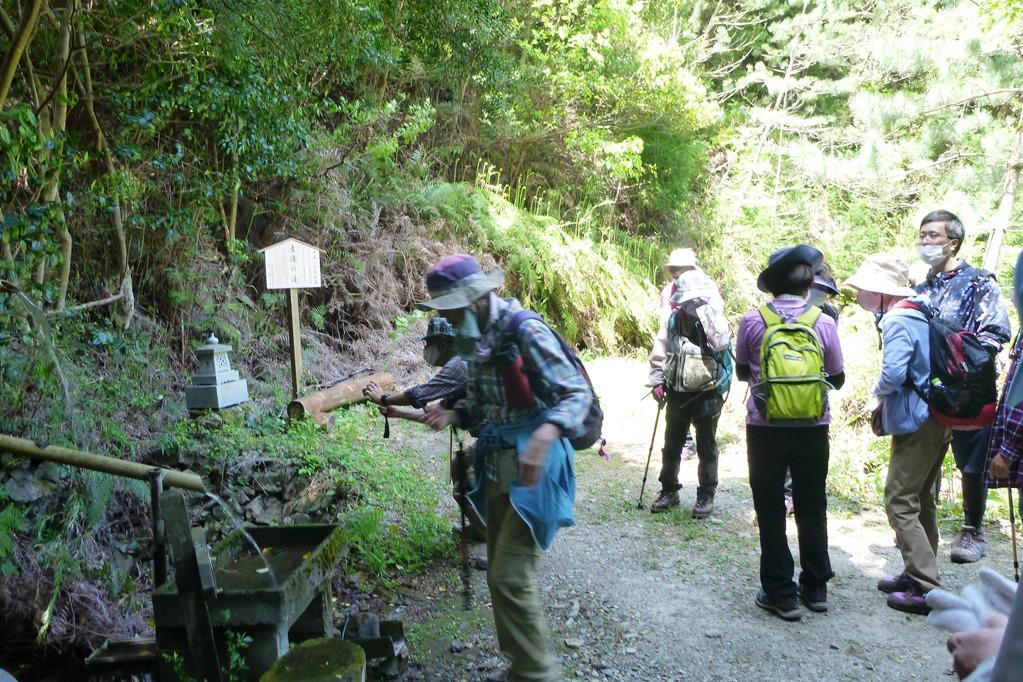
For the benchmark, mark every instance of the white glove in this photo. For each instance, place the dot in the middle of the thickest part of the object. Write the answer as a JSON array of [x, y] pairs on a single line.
[[992, 594]]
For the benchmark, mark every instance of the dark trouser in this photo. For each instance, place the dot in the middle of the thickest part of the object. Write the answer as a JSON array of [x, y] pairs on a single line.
[[678, 417], [804, 451], [970, 451]]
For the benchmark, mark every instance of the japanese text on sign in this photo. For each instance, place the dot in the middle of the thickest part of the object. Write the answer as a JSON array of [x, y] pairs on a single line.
[[292, 265]]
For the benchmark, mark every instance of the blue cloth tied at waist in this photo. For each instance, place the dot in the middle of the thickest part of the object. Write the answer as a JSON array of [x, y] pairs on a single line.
[[548, 505]]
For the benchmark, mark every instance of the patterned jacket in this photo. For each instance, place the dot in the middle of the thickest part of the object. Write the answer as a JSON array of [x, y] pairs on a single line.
[[970, 298]]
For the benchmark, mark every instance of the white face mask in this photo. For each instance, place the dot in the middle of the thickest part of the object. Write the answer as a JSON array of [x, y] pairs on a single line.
[[434, 354], [932, 254]]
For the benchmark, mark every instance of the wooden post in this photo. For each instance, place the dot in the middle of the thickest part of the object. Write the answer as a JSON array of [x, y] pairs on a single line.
[[295, 333]]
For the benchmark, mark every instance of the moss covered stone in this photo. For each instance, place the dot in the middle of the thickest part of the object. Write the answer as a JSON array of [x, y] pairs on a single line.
[[320, 660]]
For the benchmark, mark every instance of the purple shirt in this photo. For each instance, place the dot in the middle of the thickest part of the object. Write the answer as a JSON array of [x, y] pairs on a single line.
[[747, 348]]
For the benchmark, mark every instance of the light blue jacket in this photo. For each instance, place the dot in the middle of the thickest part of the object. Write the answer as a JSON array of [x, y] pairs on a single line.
[[906, 354], [548, 505]]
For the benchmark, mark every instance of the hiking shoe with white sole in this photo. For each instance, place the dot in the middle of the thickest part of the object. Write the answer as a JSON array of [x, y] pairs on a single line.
[[969, 546], [786, 609], [665, 501]]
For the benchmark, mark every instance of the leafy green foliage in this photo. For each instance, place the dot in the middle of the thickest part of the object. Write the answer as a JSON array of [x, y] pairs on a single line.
[[12, 521]]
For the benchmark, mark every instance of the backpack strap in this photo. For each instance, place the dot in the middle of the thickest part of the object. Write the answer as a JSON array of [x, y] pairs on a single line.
[[769, 316], [512, 330], [772, 318], [809, 316]]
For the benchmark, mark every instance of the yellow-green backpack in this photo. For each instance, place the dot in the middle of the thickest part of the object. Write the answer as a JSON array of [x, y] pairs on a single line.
[[793, 386]]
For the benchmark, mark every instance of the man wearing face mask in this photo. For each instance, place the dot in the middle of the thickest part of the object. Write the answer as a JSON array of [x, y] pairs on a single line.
[[525, 485], [918, 443], [446, 386], [969, 297]]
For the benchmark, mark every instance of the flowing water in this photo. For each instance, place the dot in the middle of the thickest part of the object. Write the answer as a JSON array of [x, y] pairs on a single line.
[[245, 534]]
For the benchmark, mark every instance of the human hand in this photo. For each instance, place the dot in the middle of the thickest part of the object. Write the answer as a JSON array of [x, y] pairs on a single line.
[[873, 402], [999, 467], [659, 393], [971, 648], [437, 418], [373, 392], [387, 410], [534, 456]]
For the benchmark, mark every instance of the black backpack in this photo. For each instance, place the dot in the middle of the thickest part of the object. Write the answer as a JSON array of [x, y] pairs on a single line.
[[589, 432], [961, 390]]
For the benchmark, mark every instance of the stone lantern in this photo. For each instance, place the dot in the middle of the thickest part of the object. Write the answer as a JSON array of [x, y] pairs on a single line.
[[216, 385]]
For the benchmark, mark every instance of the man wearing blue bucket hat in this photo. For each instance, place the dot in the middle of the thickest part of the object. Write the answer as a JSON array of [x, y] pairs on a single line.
[[524, 395]]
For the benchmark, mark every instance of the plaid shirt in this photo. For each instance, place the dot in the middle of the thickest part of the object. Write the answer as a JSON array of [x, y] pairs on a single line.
[[1007, 432], [448, 384], [563, 392]]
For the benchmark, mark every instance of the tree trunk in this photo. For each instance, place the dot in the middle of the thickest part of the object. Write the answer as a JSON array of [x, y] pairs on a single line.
[[1003, 216], [29, 17], [127, 303], [58, 121]]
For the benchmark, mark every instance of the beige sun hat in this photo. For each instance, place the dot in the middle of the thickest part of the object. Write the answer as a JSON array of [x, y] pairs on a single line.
[[681, 258], [882, 273]]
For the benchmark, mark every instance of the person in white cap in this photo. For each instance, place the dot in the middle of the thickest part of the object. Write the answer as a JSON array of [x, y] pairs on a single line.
[[696, 335], [680, 261], [919, 444]]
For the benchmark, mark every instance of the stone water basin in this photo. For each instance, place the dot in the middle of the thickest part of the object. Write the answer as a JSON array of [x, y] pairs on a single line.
[[289, 606]]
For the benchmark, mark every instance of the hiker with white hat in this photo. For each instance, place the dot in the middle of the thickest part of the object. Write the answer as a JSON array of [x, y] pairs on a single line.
[[690, 372], [919, 444], [525, 399], [680, 261]]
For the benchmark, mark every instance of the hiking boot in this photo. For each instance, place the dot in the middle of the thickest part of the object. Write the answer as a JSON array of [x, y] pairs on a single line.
[[912, 600], [786, 609], [665, 501], [815, 598], [969, 546], [895, 583], [704, 506]]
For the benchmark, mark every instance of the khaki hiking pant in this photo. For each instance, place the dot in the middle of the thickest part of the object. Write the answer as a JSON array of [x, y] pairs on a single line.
[[909, 499], [512, 560]]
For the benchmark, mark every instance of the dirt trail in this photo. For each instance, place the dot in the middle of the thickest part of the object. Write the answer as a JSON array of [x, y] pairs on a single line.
[[635, 596]]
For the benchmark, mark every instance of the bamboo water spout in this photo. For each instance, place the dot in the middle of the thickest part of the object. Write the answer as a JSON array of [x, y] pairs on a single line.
[[110, 465]]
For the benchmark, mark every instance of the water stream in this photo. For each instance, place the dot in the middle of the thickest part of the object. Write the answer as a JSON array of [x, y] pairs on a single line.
[[245, 534]]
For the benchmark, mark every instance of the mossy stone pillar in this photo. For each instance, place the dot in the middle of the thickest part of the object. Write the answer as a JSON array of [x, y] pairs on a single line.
[[320, 660]]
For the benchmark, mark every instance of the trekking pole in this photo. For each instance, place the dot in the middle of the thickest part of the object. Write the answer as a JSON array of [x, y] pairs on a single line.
[[1012, 533], [463, 537], [646, 471]]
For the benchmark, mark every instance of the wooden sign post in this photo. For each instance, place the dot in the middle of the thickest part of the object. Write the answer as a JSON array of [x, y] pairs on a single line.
[[293, 265]]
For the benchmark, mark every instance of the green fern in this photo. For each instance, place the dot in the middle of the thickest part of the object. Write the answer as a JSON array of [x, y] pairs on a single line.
[[11, 521], [99, 490], [139, 489]]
